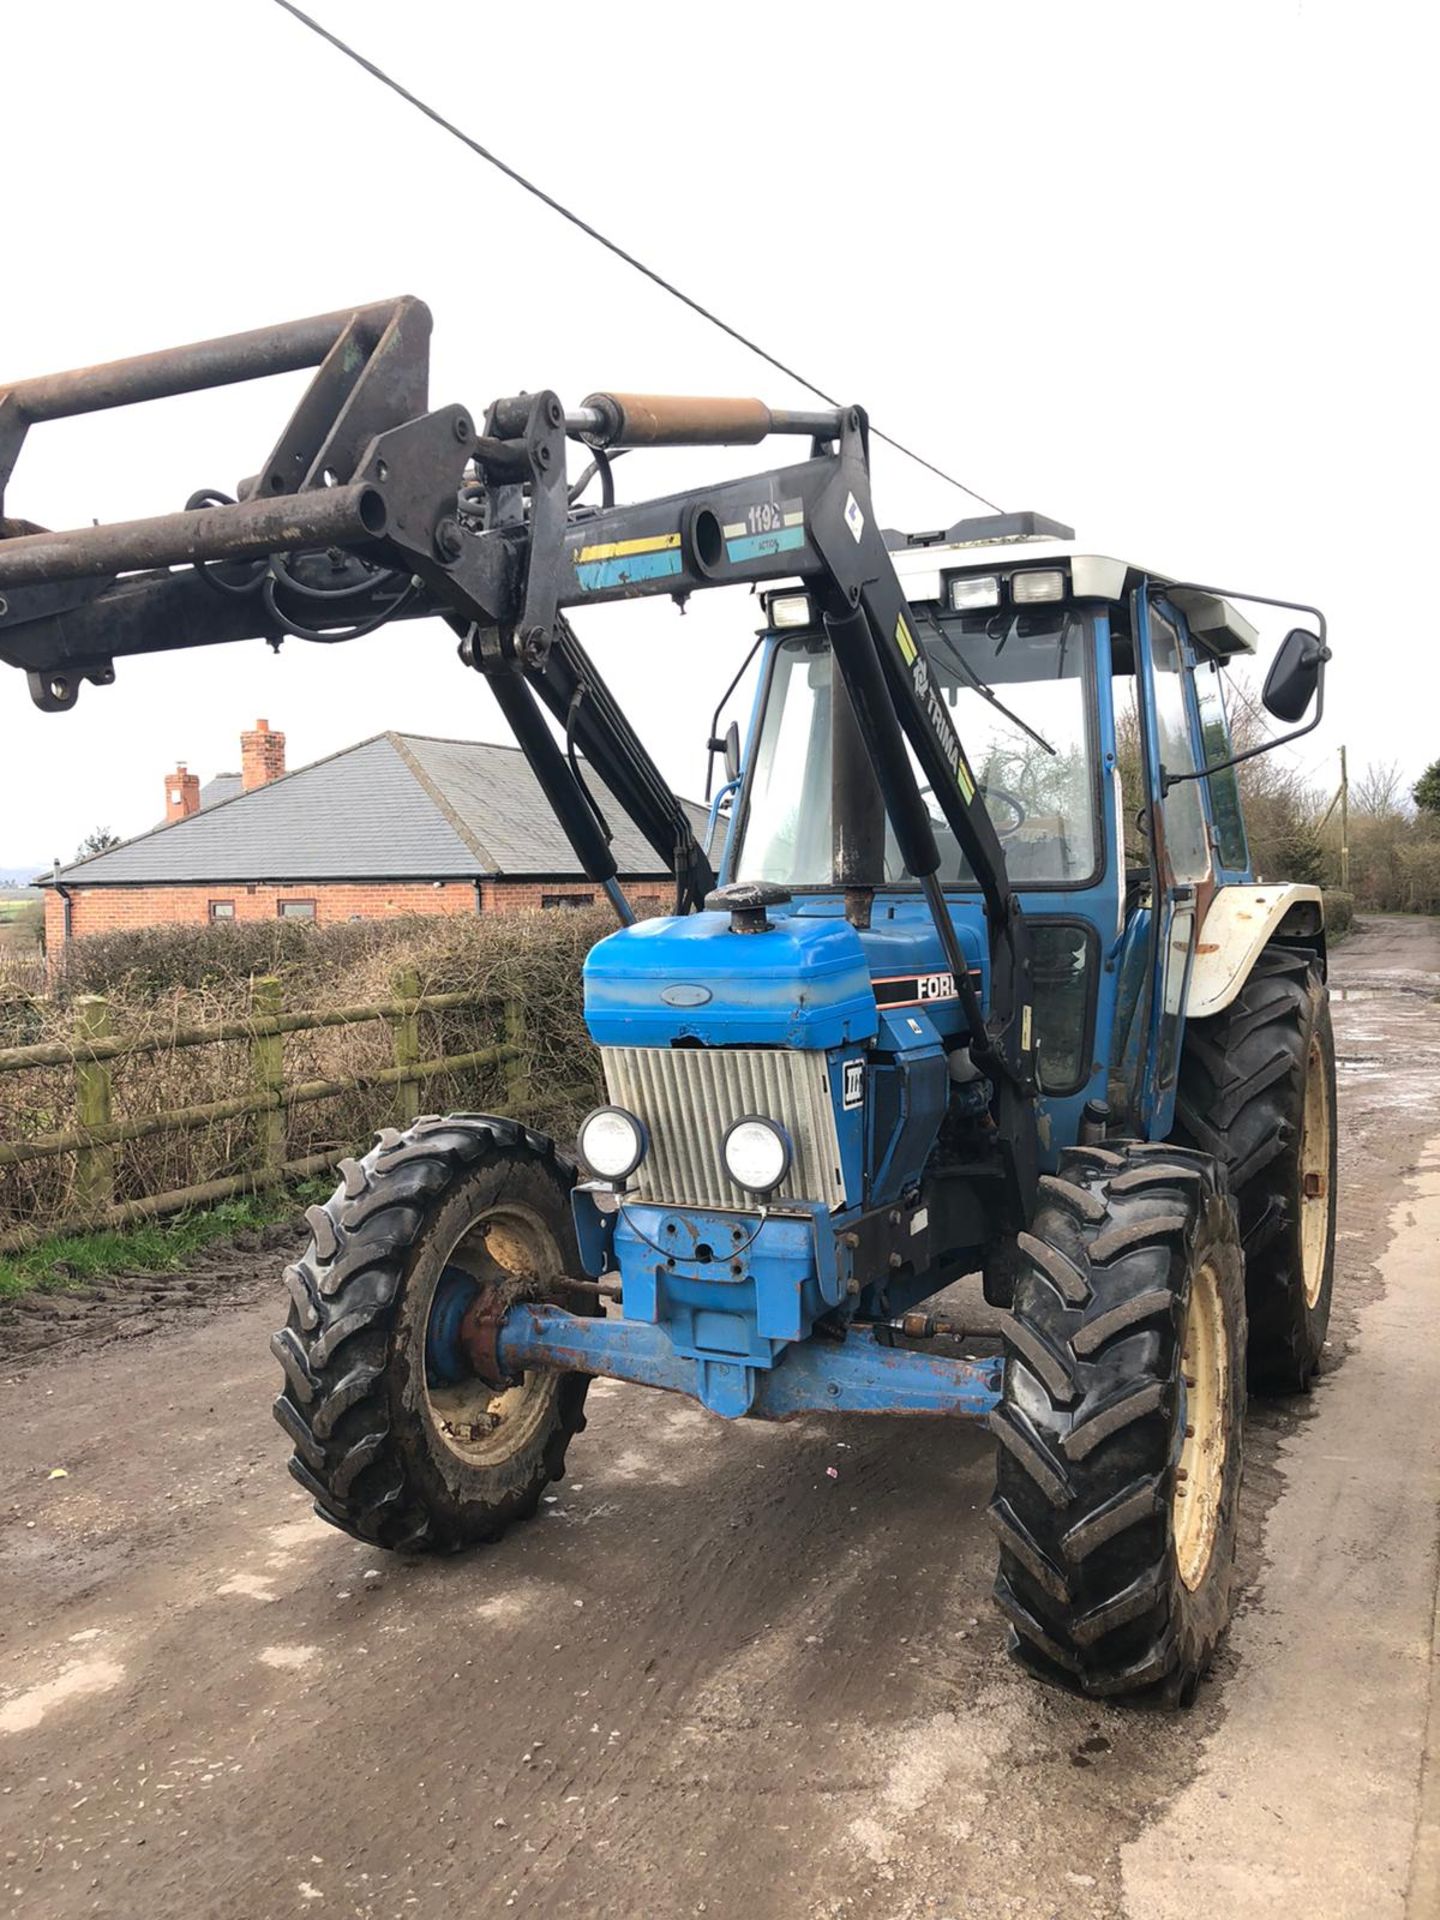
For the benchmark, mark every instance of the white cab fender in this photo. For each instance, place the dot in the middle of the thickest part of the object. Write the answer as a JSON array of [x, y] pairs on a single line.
[[1240, 922]]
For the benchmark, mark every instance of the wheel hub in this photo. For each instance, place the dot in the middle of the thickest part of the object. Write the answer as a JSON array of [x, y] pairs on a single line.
[[475, 1410]]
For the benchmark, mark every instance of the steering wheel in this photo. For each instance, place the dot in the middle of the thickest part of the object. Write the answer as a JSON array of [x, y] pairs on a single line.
[[1003, 794], [1009, 799]]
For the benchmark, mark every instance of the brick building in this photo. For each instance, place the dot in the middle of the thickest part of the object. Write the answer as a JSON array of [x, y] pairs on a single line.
[[399, 824]]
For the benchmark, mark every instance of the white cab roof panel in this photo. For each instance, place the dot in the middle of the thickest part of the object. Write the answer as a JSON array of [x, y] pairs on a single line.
[[1214, 623]]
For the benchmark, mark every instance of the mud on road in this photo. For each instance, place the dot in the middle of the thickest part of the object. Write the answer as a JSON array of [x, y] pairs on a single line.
[[710, 1678], [129, 1306]]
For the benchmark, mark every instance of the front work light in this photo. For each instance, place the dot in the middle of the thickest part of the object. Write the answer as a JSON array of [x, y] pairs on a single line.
[[612, 1142], [757, 1153], [1040, 583], [971, 593], [791, 610]]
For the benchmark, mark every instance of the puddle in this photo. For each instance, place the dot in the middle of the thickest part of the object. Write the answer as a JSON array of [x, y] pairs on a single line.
[[1423, 986]]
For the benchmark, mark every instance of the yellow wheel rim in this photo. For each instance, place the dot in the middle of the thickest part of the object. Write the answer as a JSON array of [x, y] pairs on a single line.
[[1315, 1196], [1200, 1475]]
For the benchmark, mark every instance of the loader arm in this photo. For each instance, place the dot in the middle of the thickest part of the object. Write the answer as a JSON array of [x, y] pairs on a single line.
[[371, 507], [74, 602]]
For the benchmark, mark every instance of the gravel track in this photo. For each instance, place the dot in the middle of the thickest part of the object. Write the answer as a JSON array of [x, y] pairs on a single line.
[[711, 1678]]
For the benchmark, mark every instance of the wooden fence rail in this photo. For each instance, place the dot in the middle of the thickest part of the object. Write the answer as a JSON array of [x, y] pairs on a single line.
[[62, 1053], [94, 1048]]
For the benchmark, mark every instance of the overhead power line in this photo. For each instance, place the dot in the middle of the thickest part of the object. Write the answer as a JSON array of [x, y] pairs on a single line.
[[612, 246]]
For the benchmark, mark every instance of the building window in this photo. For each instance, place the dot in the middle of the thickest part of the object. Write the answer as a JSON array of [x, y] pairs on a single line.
[[295, 909], [567, 899], [222, 909]]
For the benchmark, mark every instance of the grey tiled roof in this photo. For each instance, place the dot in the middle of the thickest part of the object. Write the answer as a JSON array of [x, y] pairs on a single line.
[[224, 786], [395, 807]]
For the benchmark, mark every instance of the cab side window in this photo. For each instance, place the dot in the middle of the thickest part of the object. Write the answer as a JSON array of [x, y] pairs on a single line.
[[1186, 840], [1224, 787]]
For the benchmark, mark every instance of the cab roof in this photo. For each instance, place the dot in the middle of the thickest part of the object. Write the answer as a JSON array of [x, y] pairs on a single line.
[[1005, 542]]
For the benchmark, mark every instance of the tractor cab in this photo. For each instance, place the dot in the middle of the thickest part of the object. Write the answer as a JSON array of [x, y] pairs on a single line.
[[1045, 656]]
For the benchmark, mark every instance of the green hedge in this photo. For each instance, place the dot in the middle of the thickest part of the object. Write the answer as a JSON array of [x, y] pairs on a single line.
[[1339, 912], [179, 977]]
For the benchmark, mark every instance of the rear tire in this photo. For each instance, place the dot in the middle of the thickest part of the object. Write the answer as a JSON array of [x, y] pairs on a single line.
[[390, 1454], [1118, 1469], [1257, 1090]]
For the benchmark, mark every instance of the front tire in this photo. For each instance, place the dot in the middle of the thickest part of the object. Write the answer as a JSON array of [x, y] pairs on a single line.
[[392, 1453], [1257, 1090], [1119, 1464]]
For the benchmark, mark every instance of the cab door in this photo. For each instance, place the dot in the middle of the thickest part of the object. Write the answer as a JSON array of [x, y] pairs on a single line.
[[1181, 845]]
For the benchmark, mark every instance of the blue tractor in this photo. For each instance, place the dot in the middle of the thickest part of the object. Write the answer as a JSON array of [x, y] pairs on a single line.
[[928, 1005]]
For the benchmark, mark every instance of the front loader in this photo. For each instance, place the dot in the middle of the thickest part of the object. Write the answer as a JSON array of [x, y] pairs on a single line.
[[914, 1015]]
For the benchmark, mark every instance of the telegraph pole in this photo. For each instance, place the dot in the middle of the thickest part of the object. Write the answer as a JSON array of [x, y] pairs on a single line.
[[1344, 825]]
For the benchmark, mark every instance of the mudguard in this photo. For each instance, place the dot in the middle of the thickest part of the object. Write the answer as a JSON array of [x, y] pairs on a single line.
[[1241, 922]]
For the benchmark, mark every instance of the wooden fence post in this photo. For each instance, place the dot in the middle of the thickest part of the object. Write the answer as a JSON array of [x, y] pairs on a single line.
[[518, 1091], [405, 1028], [267, 1068], [94, 1166]]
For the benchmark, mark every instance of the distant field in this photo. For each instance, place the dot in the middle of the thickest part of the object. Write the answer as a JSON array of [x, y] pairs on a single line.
[[18, 929]]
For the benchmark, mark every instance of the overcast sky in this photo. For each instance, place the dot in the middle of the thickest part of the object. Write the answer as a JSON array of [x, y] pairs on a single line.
[[1164, 272]]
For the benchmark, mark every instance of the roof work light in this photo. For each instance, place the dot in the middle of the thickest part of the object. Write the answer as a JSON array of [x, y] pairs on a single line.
[[973, 592], [1037, 584]]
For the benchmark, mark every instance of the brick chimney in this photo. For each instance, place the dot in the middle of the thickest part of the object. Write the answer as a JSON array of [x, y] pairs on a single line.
[[182, 794], [262, 757]]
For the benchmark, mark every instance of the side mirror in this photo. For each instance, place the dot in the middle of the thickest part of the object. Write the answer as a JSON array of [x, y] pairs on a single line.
[[729, 745], [1295, 675], [732, 751]]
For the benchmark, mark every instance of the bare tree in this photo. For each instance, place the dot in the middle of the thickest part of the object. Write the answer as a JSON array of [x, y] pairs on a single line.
[[1379, 792], [1292, 827], [98, 840]]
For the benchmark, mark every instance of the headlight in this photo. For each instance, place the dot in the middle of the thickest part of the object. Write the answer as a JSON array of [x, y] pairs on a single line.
[[612, 1142], [756, 1153]]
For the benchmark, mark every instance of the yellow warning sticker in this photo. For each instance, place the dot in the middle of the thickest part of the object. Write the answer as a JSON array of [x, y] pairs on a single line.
[[905, 640], [964, 779], [1025, 1029], [622, 549]]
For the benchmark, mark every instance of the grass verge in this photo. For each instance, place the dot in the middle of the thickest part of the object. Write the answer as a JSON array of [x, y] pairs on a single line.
[[154, 1246]]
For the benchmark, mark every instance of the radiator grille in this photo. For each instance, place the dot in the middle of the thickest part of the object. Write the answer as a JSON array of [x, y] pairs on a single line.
[[688, 1096]]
